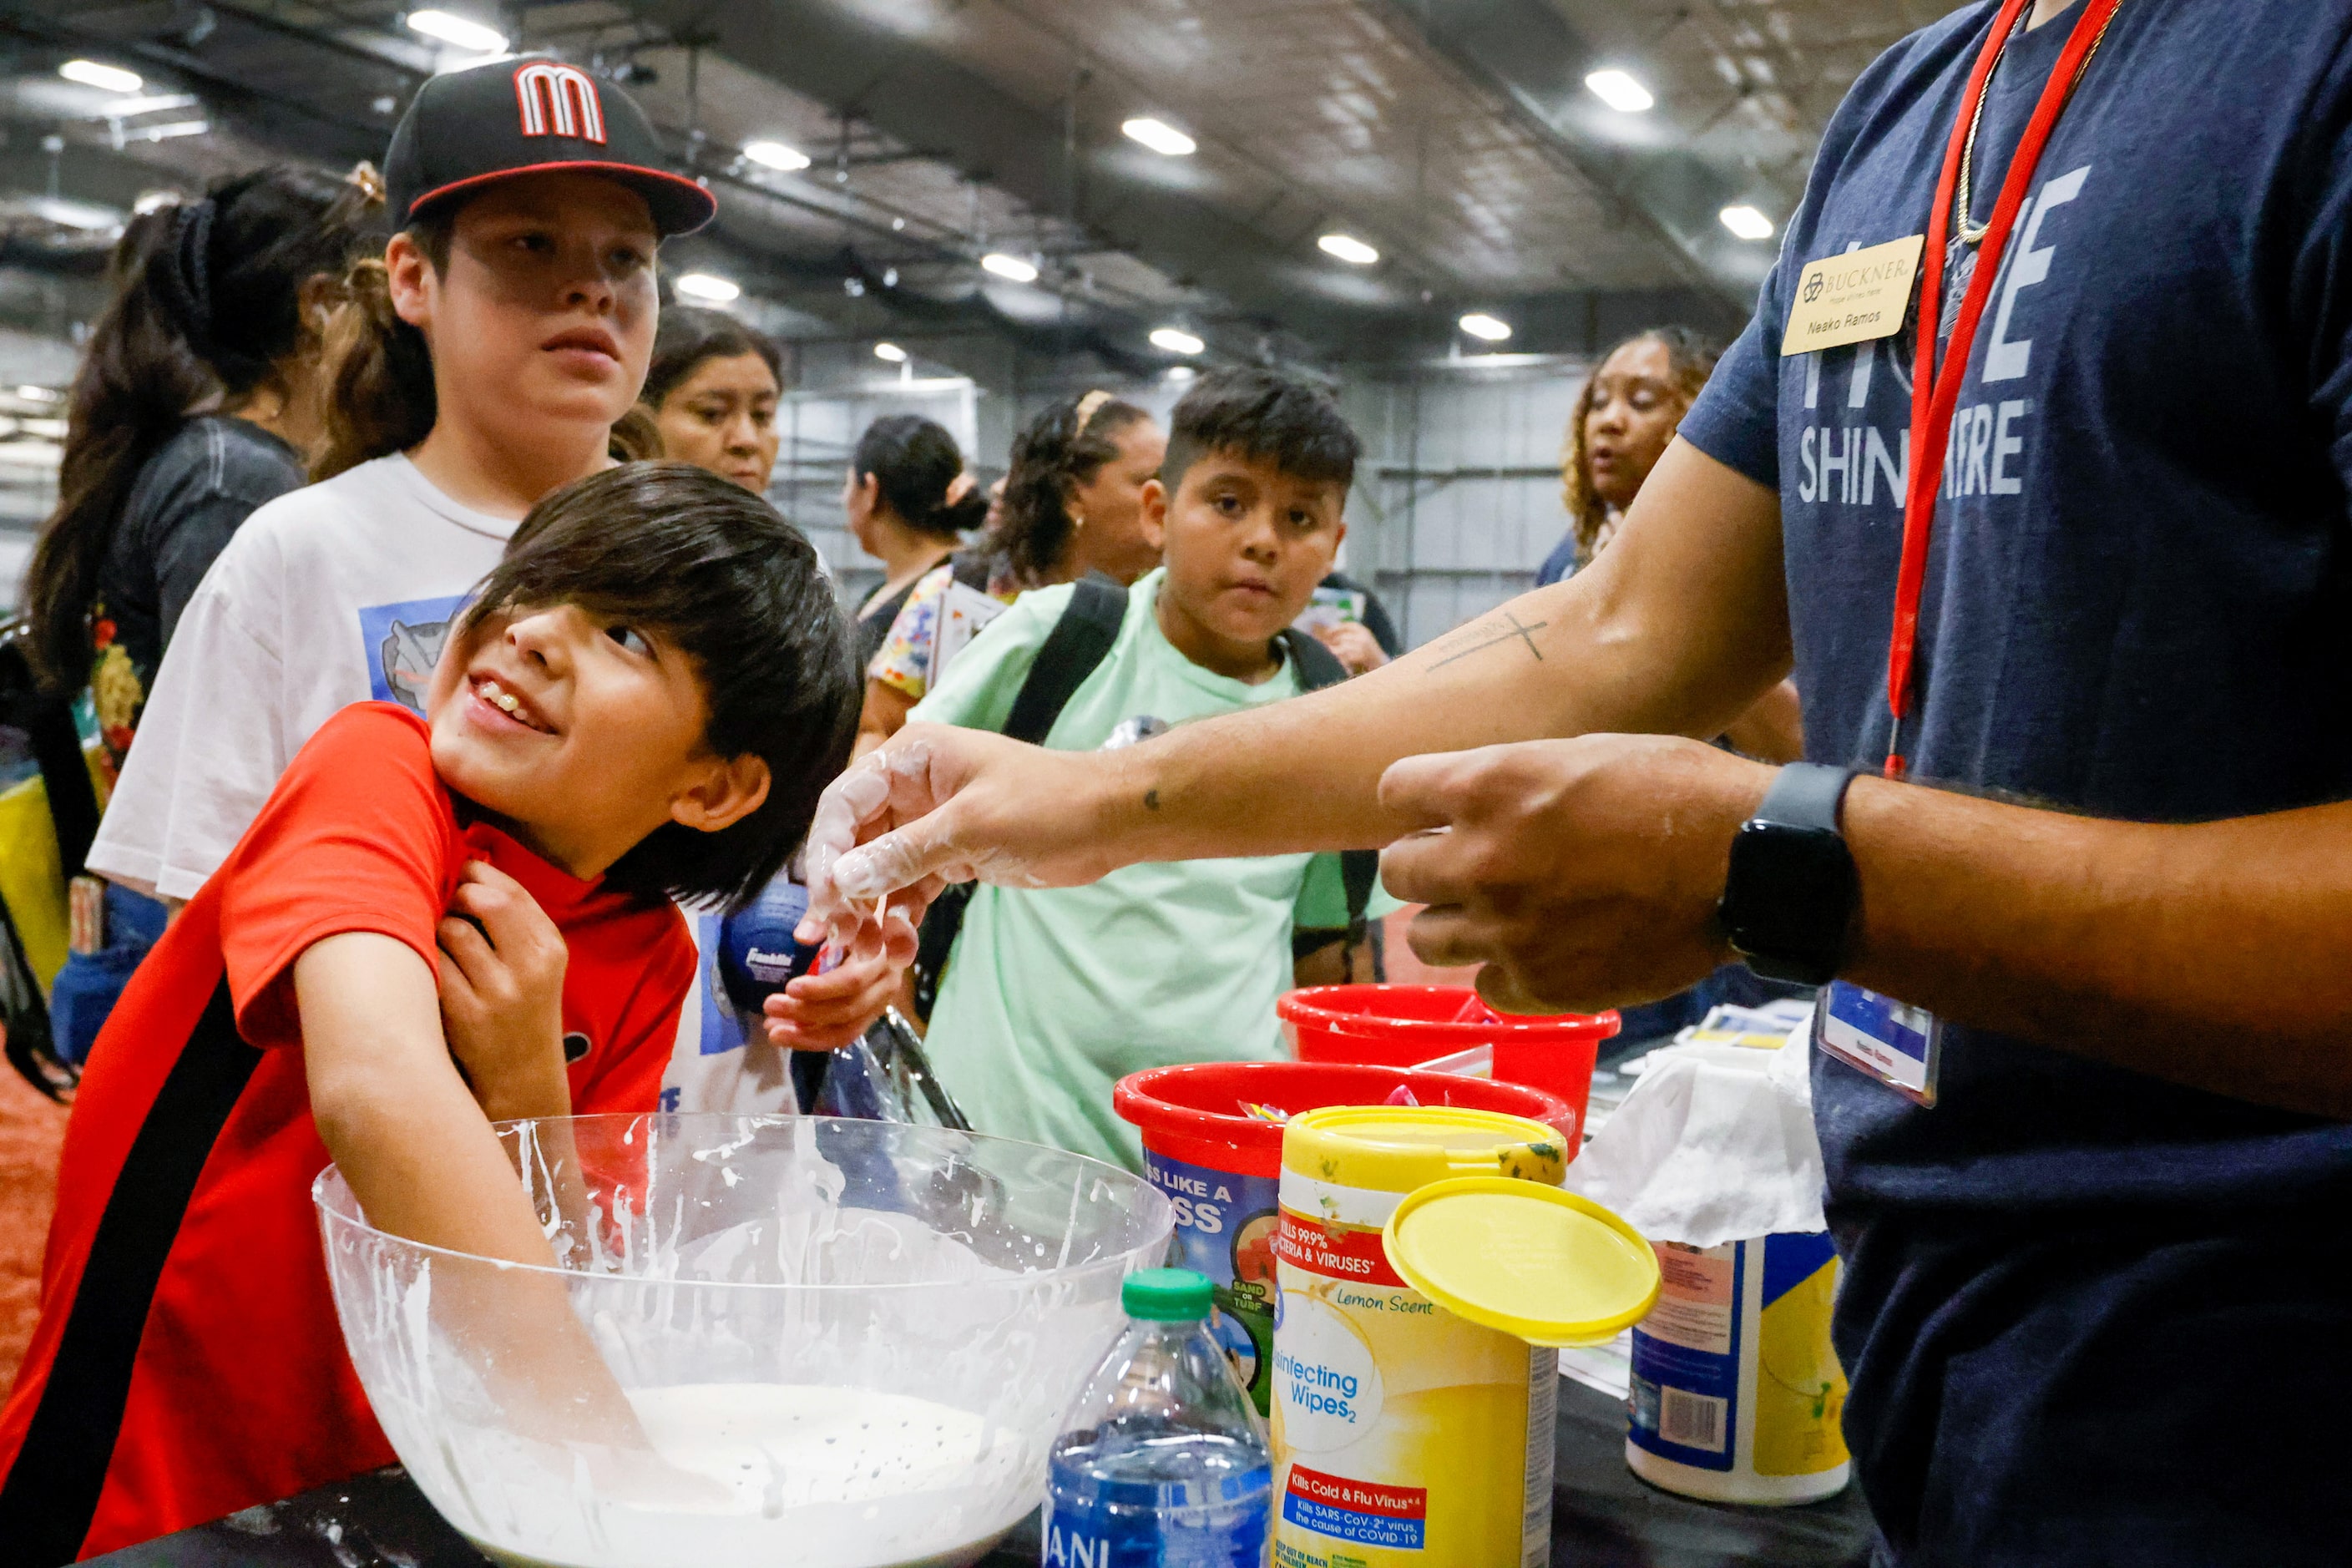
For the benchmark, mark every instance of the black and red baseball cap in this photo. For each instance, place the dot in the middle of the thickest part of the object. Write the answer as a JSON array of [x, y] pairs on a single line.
[[467, 127]]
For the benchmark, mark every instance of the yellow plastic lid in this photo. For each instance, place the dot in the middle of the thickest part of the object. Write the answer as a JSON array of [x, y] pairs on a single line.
[[1550, 1266], [1396, 1148]]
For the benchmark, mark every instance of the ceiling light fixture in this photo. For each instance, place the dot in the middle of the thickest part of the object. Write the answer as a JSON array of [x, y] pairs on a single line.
[[149, 104], [38, 395], [1176, 340], [706, 287], [1747, 222], [890, 351], [1479, 324], [1619, 92], [1011, 266], [1161, 137], [1349, 249], [457, 31], [110, 78], [776, 155]]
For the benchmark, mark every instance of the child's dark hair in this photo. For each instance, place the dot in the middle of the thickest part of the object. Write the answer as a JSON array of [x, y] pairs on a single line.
[[689, 337], [711, 567], [1266, 416], [208, 300], [913, 461], [1064, 447], [380, 396]]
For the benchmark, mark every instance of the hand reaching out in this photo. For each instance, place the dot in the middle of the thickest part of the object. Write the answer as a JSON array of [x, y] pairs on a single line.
[[825, 1012], [501, 983], [1353, 645]]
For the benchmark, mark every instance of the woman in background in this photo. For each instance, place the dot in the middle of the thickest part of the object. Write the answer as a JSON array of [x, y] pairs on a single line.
[[1625, 417], [1073, 504], [712, 388], [198, 399], [909, 503]]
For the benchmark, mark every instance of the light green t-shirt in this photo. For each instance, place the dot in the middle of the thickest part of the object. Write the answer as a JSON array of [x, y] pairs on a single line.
[[1053, 995]]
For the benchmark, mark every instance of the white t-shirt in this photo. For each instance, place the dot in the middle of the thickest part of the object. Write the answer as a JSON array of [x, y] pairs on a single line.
[[333, 595]]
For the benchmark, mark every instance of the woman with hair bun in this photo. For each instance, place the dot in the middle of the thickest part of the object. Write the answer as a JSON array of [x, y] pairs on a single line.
[[1071, 505], [197, 400], [909, 503]]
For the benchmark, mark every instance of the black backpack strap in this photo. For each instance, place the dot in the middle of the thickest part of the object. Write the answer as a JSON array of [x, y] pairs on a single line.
[[48, 725], [1076, 645], [1079, 641], [970, 567], [1360, 869]]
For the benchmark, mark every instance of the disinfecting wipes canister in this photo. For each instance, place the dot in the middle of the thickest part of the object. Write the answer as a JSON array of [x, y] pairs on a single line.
[[1403, 1434], [1736, 1391]]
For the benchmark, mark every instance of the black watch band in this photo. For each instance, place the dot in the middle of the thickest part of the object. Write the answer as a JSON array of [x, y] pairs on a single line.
[[1790, 894]]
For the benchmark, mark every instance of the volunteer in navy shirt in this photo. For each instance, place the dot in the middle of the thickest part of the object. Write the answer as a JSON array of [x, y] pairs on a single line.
[[2094, 1306]]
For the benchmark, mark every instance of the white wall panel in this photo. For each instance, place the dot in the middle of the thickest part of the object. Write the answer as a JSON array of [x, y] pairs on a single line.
[[1457, 502]]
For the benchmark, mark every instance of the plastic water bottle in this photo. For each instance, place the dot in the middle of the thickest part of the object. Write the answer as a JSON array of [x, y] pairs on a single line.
[[1162, 1463]]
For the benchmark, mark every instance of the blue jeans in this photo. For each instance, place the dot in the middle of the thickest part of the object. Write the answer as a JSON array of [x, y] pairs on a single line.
[[89, 984]]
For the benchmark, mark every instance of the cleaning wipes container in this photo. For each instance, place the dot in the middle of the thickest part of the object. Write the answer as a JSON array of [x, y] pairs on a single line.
[[1427, 1264], [1736, 1393], [1213, 1142]]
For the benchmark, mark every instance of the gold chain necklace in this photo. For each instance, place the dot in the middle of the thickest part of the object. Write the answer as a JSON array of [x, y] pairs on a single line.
[[1973, 233]]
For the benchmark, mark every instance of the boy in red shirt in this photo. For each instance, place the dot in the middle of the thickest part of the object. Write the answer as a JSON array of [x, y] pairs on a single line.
[[642, 702]]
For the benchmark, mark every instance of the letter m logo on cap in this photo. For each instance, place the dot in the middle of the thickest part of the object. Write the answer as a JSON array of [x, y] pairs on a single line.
[[559, 101]]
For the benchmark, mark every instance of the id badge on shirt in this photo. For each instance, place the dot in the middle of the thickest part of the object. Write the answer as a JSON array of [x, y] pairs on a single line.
[[1892, 1041]]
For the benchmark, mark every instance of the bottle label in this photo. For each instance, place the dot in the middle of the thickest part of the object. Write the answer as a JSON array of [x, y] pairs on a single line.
[[1083, 1530]]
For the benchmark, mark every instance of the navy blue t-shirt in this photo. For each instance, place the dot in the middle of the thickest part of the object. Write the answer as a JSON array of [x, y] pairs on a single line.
[[2135, 606]]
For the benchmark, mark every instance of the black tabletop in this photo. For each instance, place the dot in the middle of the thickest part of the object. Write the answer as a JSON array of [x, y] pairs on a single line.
[[1602, 1518]]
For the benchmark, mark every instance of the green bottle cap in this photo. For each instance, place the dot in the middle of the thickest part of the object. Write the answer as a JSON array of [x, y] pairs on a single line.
[[1166, 1295]]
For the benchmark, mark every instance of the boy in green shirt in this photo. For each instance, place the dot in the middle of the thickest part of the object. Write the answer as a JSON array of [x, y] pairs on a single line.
[[1051, 996]]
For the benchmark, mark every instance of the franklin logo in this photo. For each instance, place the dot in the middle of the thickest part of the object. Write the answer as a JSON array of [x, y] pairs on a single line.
[[769, 966], [575, 1045], [1813, 286]]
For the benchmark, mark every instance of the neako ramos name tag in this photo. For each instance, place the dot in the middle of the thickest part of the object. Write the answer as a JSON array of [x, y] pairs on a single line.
[[1856, 298]]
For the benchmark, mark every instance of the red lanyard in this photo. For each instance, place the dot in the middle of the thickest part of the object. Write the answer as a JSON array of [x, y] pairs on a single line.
[[1935, 398]]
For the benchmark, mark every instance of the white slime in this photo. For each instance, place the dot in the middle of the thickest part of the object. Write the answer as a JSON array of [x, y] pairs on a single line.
[[763, 1474]]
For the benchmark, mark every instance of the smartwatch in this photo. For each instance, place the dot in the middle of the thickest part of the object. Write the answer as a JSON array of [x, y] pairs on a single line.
[[1789, 896]]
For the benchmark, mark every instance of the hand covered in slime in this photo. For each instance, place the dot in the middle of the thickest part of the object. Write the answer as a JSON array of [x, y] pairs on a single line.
[[940, 805]]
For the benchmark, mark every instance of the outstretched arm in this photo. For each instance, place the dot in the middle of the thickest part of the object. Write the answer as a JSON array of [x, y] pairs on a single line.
[[1678, 630]]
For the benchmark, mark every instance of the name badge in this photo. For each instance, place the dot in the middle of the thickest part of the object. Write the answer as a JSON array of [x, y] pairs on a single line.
[[1856, 298], [1892, 1041]]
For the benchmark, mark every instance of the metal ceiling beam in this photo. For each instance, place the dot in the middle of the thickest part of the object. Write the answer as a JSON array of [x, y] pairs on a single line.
[[922, 99], [1530, 54]]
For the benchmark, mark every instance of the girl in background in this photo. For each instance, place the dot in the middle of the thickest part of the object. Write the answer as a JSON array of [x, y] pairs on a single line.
[[712, 389], [1073, 504], [197, 400], [909, 503]]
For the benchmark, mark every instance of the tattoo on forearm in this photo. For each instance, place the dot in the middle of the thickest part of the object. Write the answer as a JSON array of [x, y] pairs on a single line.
[[1490, 637]]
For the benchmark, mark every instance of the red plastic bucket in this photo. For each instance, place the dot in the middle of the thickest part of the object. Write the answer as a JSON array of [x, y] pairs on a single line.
[[1221, 1167], [1402, 1025]]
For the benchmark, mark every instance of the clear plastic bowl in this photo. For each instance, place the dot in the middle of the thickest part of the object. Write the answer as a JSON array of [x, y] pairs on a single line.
[[836, 1344]]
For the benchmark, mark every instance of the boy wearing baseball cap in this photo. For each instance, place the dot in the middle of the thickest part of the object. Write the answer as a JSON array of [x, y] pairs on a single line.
[[479, 364]]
